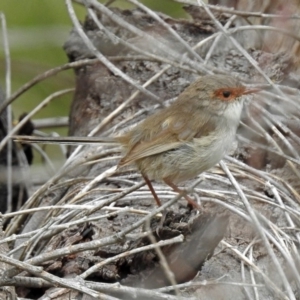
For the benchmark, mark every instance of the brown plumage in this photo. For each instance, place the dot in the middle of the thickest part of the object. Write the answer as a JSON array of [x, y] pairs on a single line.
[[188, 137]]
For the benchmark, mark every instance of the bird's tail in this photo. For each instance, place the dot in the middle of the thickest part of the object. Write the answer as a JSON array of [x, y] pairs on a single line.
[[67, 140]]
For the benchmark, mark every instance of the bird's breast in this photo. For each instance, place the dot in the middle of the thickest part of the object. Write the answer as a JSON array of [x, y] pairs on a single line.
[[189, 159]]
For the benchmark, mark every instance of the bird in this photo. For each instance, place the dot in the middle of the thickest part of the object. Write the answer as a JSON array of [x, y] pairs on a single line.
[[190, 136], [185, 139]]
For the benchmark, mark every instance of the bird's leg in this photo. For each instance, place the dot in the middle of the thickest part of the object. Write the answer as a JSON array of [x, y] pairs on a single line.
[[150, 186], [182, 193], [158, 202]]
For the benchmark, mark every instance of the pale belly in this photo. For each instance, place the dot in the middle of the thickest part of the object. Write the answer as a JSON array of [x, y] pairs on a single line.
[[187, 161]]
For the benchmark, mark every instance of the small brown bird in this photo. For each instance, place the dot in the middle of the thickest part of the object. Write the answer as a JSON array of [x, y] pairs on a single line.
[[188, 137], [185, 139]]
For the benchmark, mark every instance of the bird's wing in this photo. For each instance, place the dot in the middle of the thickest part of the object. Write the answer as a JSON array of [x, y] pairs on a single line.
[[175, 131], [145, 149]]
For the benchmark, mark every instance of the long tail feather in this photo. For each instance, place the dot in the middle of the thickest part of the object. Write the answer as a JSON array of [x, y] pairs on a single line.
[[68, 140]]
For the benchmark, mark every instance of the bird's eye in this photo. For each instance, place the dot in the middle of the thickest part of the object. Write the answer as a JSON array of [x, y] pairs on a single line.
[[226, 94]]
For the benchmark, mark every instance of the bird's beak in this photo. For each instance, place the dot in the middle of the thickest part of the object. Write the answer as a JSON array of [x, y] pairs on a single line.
[[251, 91]]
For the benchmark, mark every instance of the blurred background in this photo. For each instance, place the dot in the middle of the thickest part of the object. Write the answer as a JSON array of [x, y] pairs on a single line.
[[37, 30]]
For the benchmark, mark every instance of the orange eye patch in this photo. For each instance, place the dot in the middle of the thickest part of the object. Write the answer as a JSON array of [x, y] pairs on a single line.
[[229, 94]]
